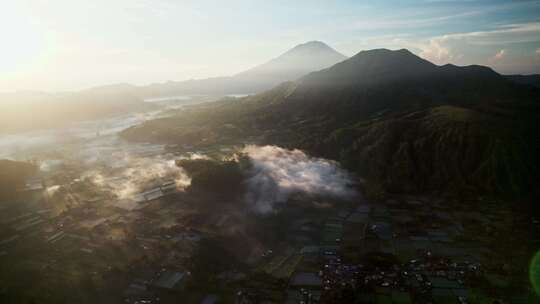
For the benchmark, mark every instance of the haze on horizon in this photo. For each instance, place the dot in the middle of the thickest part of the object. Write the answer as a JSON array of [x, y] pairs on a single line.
[[70, 45]]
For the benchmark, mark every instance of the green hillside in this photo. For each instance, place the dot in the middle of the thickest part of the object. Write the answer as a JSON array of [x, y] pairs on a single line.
[[401, 122]]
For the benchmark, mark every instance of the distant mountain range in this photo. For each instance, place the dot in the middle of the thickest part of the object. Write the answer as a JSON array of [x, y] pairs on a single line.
[[18, 110], [404, 123], [298, 61]]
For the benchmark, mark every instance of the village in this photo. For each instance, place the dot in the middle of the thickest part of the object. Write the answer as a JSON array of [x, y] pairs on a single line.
[[401, 249]]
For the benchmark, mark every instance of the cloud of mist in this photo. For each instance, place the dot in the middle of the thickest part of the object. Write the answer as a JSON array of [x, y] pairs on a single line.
[[49, 164], [52, 190], [134, 175], [194, 156], [278, 173]]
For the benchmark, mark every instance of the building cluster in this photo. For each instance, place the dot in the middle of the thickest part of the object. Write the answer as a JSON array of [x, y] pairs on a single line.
[[406, 250], [393, 252]]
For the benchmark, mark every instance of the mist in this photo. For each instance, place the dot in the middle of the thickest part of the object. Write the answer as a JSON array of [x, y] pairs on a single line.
[[278, 173], [138, 174]]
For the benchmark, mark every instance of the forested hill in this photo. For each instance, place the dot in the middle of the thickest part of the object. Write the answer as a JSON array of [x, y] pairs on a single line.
[[400, 121]]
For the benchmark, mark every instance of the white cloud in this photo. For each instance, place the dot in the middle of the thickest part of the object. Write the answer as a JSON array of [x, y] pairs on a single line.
[[466, 48], [510, 33], [498, 56], [436, 51], [52, 190], [414, 21], [277, 173], [137, 173]]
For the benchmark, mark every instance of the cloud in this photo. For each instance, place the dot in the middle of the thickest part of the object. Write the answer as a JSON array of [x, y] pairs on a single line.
[[498, 56], [538, 51], [52, 190], [194, 156], [422, 18], [278, 173], [467, 47], [134, 174], [447, 1], [509, 33], [49, 164], [436, 51]]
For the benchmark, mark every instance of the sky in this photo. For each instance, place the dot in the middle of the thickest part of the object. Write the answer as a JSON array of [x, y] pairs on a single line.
[[59, 45]]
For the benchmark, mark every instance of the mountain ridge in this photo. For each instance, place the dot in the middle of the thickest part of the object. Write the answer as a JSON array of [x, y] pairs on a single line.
[[58, 109], [290, 65], [390, 116], [385, 64]]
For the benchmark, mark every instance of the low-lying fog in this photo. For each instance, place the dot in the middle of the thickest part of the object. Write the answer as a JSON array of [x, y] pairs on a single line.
[[126, 169], [277, 173], [30, 144], [27, 145]]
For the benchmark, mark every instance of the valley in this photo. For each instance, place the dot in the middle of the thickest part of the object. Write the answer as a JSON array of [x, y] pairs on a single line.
[[379, 178]]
